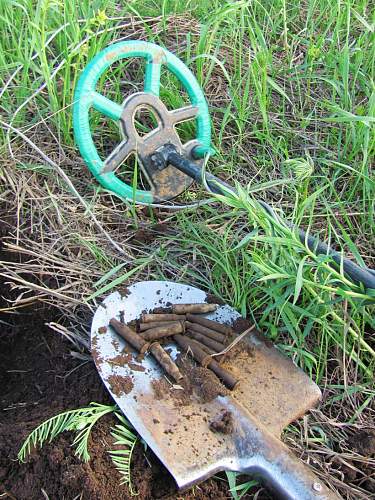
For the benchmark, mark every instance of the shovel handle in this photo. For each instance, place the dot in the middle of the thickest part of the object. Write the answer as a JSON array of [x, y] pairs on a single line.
[[291, 479], [262, 455]]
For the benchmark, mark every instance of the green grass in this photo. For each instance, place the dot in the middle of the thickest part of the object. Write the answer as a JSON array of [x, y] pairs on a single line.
[[292, 97]]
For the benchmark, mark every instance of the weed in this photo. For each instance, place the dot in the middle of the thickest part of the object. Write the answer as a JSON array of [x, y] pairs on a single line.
[[82, 421]]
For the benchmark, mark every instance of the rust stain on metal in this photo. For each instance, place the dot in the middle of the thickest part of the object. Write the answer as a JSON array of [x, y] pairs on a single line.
[[270, 387], [166, 183], [111, 55], [158, 57]]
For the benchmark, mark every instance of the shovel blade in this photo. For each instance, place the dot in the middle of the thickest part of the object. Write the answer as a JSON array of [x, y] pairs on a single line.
[[272, 390]]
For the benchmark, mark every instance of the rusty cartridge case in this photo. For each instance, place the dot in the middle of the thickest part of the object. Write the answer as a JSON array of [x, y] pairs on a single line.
[[154, 324], [193, 308], [202, 346], [129, 335], [208, 332], [212, 344], [188, 345], [207, 350], [150, 318], [165, 361], [163, 331], [209, 323]]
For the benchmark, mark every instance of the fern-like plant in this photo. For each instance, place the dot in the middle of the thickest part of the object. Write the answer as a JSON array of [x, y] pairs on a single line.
[[82, 421], [122, 457]]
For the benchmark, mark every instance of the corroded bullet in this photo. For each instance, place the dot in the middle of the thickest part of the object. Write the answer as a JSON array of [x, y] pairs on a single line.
[[163, 331], [129, 335], [146, 326], [212, 344], [209, 323], [193, 308], [149, 318], [208, 332], [165, 361]]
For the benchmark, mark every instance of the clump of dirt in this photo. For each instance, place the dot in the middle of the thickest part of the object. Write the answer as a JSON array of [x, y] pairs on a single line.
[[96, 355], [213, 299], [150, 233], [123, 291], [102, 329], [121, 359], [206, 384], [223, 424], [166, 309], [120, 385], [160, 388], [137, 368], [363, 442], [241, 324], [127, 358], [199, 384]]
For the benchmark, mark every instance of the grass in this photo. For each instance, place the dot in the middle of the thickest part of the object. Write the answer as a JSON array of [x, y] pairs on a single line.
[[291, 92]]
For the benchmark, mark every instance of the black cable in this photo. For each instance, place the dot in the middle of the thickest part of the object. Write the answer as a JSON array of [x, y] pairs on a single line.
[[358, 274]]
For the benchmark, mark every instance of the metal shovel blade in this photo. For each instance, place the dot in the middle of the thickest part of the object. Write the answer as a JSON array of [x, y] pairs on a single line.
[[271, 393]]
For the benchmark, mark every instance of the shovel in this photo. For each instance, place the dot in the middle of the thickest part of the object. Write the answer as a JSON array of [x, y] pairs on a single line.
[[271, 393]]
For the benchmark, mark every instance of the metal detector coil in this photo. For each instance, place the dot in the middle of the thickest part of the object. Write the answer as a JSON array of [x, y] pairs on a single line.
[[166, 183]]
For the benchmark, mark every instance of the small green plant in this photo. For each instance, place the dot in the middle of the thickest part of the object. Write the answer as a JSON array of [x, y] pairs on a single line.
[[238, 490], [122, 456], [81, 421]]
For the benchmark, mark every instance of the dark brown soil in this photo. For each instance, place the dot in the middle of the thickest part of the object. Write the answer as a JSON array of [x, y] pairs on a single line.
[[241, 324], [213, 299], [206, 384], [363, 442]]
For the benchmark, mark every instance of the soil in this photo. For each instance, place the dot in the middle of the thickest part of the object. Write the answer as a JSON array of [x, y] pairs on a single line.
[[148, 234], [39, 378], [241, 324], [213, 299], [199, 384], [363, 442], [120, 385], [207, 384], [223, 424]]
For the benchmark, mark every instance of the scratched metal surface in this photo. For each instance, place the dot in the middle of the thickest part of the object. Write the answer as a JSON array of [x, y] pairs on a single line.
[[272, 391]]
